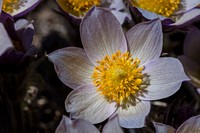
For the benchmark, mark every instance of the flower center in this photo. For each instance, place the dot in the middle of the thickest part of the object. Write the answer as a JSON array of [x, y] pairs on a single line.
[[118, 77], [10, 5], [78, 7], [163, 7]]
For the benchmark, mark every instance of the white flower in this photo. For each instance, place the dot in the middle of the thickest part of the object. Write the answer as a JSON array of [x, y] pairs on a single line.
[[180, 11], [18, 8], [78, 8], [82, 126], [116, 73], [189, 126]]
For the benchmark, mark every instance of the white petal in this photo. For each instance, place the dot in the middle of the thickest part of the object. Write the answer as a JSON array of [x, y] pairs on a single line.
[[150, 15], [75, 126], [198, 90], [119, 9], [5, 41], [134, 116], [1, 3], [86, 103], [162, 128], [185, 17], [101, 34], [165, 77], [27, 5], [192, 125], [189, 4], [145, 40], [21, 24], [72, 66], [112, 126], [120, 15]]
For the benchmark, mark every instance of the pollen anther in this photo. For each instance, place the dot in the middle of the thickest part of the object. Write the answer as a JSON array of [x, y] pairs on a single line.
[[78, 7], [162, 7], [118, 77], [10, 5]]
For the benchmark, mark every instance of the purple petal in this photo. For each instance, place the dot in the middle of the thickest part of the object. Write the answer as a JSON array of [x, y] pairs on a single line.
[[165, 78], [87, 103], [162, 128], [112, 126], [190, 126], [75, 126], [187, 16], [72, 66], [134, 116], [145, 40], [5, 41], [101, 34], [25, 32], [192, 45], [28, 37], [192, 69]]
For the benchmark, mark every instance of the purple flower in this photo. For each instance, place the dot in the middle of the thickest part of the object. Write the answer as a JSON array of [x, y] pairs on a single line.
[[16, 41], [179, 11], [191, 56], [189, 126], [116, 73]]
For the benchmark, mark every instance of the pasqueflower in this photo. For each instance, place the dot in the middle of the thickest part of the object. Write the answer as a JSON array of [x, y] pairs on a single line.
[[82, 126], [116, 73], [180, 11], [189, 126], [18, 8], [15, 41], [77, 9]]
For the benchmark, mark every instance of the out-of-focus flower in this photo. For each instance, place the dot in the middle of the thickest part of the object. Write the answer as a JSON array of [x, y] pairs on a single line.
[[180, 11], [18, 8], [16, 41], [82, 126], [1, 2], [189, 126], [112, 75], [78, 8], [191, 56]]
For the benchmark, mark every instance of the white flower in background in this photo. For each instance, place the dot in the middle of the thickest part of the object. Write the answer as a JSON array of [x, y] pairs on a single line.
[[1, 2], [189, 126], [78, 8], [82, 126], [180, 11], [5, 42], [116, 73], [18, 7]]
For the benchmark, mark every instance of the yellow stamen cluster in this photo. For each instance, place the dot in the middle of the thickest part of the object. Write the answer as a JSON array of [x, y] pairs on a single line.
[[10, 5], [118, 77], [78, 7], [162, 7]]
